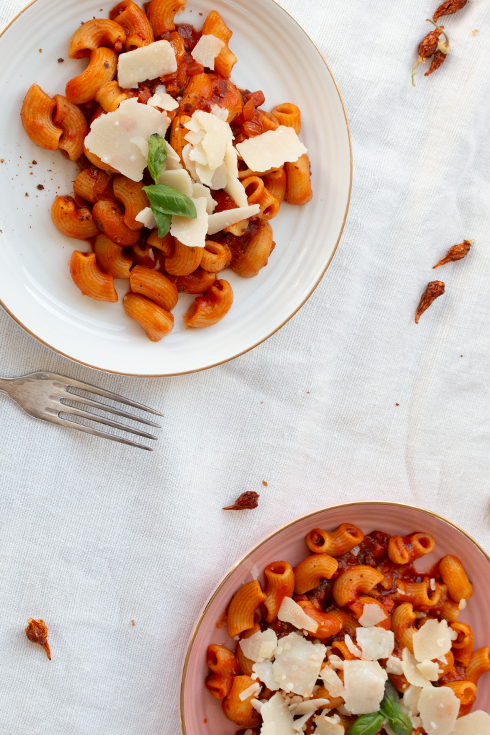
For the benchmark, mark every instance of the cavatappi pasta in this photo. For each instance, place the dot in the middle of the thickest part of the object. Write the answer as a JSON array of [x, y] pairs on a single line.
[[109, 208], [322, 645]]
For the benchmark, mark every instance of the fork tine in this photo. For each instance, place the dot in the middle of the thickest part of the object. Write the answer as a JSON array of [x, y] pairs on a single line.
[[105, 407], [100, 420], [55, 419], [101, 392]]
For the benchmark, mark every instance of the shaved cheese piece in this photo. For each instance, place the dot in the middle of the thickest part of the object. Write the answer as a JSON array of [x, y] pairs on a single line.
[[236, 190], [142, 144], [375, 643], [220, 220], [189, 164], [297, 664], [163, 100], [333, 682], [192, 232], [291, 612], [372, 615], [257, 705], [308, 706], [220, 112], [476, 723], [218, 137], [207, 49], [336, 662], [412, 674], [110, 136], [299, 724], [173, 159], [364, 683], [148, 62], [328, 725], [276, 717], [251, 691], [411, 699], [439, 708], [255, 570], [394, 665], [462, 604], [265, 673], [271, 149], [199, 190], [231, 161], [432, 640], [429, 669], [260, 646], [146, 218], [432, 583], [178, 179], [352, 647]]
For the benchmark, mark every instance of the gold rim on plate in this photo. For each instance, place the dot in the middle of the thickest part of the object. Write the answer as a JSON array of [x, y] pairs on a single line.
[[244, 352], [228, 574]]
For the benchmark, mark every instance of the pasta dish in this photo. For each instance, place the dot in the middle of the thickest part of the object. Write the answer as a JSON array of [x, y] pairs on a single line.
[[180, 171]]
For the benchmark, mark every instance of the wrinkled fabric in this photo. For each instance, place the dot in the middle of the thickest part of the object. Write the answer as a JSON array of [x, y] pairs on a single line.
[[350, 400]]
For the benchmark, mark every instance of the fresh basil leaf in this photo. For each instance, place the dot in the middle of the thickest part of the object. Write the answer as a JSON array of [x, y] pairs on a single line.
[[157, 155], [170, 201], [390, 706], [163, 222], [367, 724], [401, 724]]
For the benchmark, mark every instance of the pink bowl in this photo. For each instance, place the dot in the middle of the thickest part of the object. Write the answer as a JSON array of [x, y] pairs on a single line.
[[201, 714]]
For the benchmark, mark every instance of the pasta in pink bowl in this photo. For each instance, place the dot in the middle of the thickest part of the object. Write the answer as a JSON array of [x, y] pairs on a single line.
[[361, 618], [186, 184]]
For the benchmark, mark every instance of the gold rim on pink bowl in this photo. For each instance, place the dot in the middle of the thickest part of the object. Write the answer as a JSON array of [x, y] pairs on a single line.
[[284, 321], [368, 515]]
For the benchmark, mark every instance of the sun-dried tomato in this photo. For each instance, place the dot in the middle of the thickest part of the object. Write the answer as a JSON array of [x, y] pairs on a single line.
[[431, 293], [457, 252], [437, 60], [246, 501], [449, 7], [37, 632]]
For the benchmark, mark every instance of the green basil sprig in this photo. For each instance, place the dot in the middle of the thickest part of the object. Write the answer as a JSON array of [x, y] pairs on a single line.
[[157, 155], [390, 710], [166, 201]]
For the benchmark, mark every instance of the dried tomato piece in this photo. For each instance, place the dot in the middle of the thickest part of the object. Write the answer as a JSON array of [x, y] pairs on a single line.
[[431, 293], [37, 632], [449, 7], [457, 252], [246, 501]]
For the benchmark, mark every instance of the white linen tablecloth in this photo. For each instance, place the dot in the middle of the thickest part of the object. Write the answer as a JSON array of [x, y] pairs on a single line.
[[350, 400]]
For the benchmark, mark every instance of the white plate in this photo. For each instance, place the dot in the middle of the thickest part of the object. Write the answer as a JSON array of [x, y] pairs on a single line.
[[275, 55]]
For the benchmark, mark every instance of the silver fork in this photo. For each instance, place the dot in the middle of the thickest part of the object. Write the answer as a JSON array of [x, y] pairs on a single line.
[[43, 396]]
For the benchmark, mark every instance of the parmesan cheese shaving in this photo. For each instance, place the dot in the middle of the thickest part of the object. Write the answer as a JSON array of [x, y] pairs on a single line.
[[462, 604], [476, 723], [297, 664], [271, 149], [192, 232], [220, 112], [199, 190], [372, 614], [276, 717], [146, 218], [260, 646], [411, 699], [173, 159], [394, 665], [328, 725], [220, 220], [308, 706], [352, 647], [290, 611], [333, 682], [364, 683], [375, 642], [432, 640], [439, 708], [163, 100], [112, 136], [429, 669], [236, 190], [412, 674], [265, 673], [148, 62], [251, 691], [178, 179], [336, 662], [207, 49]]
